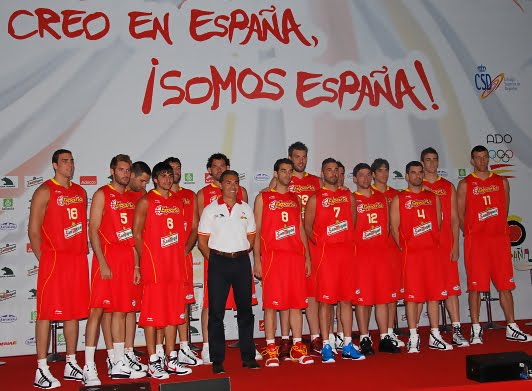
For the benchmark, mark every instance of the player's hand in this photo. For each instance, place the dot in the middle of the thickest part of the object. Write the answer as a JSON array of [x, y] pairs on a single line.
[[136, 276], [455, 253], [257, 270], [308, 267], [105, 272]]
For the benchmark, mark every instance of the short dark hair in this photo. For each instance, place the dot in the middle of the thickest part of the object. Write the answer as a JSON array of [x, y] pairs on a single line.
[[361, 166], [119, 158], [413, 163], [478, 148], [55, 156], [378, 163], [297, 146], [327, 161], [284, 160], [160, 168], [172, 159], [217, 156], [228, 172], [139, 168], [340, 165], [428, 150]]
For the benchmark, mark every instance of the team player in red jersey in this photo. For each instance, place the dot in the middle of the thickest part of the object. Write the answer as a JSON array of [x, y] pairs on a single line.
[[190, 211], [448, 238], [159, 232], [282, 261], [415, 224], [374, 283], [115, 270], [58, 238], [483, 204], [217, 164], [330, 217], [380, 169]]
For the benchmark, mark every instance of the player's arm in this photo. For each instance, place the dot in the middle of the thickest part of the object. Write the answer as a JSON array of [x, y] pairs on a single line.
[[460, 202], [395, 220], [308, 263], [141, 210], [244, 194], [96, 214], [200, 200], [310, 215], [455, 225], [507, 193], [251, 229], [39, 203], [189, 245], [204, 231], [257, 264], [438, 211], [353, 209]]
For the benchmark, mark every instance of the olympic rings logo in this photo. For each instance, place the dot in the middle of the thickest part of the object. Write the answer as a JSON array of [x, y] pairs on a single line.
[[501, 155]]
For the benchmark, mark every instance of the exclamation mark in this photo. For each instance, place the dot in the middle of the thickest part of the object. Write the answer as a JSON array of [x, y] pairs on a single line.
[[423, 76]]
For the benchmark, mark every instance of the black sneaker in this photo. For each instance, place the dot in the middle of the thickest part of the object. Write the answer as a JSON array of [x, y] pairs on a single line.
[[365, 347], [388, 345]]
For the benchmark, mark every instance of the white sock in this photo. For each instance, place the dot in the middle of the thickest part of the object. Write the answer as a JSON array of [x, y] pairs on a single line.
[[331, 337], [347, 340], [111, 353], [128, 350], [183, 345], [285, 337], [314, 336], [384, 335], [435, 332], [119, 351], [270, 341], [514, 325], [476, 327], [205, 346], [89, 354], [362, 336], [413, 332], [296, 340], [42, 363], [325, 343], [154, 357], [390, 330], [159, 350], [71, 358], [456, 324]]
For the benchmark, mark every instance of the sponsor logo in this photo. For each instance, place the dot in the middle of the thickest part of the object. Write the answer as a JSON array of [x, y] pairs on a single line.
[[417, 203], [462, 173], [278, 204], [443, 173], [208, 178], [7, 248], [262, 177], [285, 232], [61, 339], [501, 155], [189, 178], [9, 182], [33, 316], [397, 175], [119, 205], [261, 325], [330, 201], [8, 226], [182, 316], [190, 296], [33, 180], [8, 294], [64, 200], [89, 180], [301, 188], [76, 229], [497, 138], [8, 204], [242, 176], [488, 213], [485, 83], [7, 343], [165, 210], [169, 240], [479, 190], [517, 230], [439, 192], [444, 293], [337, 228], [124, 234], [371, 233], [31, 341], [423, 228], [7, 272], [33, 293], [361, 208], [28, 248], [8, 318]]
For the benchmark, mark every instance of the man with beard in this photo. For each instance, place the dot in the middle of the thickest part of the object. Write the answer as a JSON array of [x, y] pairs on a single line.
[[415, 224]]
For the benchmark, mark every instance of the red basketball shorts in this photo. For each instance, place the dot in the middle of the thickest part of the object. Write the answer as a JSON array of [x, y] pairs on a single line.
[[162, 305], [422, 276], [335, 272]]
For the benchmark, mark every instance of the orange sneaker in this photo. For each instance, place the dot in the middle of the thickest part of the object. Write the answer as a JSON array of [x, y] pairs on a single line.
[[299, 353], [272, 354]]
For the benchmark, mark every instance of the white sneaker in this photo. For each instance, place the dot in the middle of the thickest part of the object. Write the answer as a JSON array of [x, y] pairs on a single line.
[[175, 367], [205, 356], [513, 333], [121, 370], [155, 368], [73, 371], [396, 340], [458, 339], [90, 375], [333, 345], [413, 344], [109, 362], [258, 356], [45, 380], [476, 337], [187, 357], [134, 362], [438, 343]]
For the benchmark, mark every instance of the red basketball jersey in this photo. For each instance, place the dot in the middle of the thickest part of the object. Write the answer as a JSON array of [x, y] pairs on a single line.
[[485, 206], [389, 193], [304, 188], [333, 222], [136, 195], [444, 190], [418, 227], [64, 228], [188, 198], [117, 220], [371, 230], [163, 237], [212, 193], [281, 222]]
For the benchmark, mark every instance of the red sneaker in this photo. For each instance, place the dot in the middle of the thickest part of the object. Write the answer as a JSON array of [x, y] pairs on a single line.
[[284, 350], [299, 353], [315, 346], [272, 354]]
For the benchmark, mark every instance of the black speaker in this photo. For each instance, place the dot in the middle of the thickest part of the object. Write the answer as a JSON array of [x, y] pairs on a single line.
[[498, 366], [139, 386], [219, 384]]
